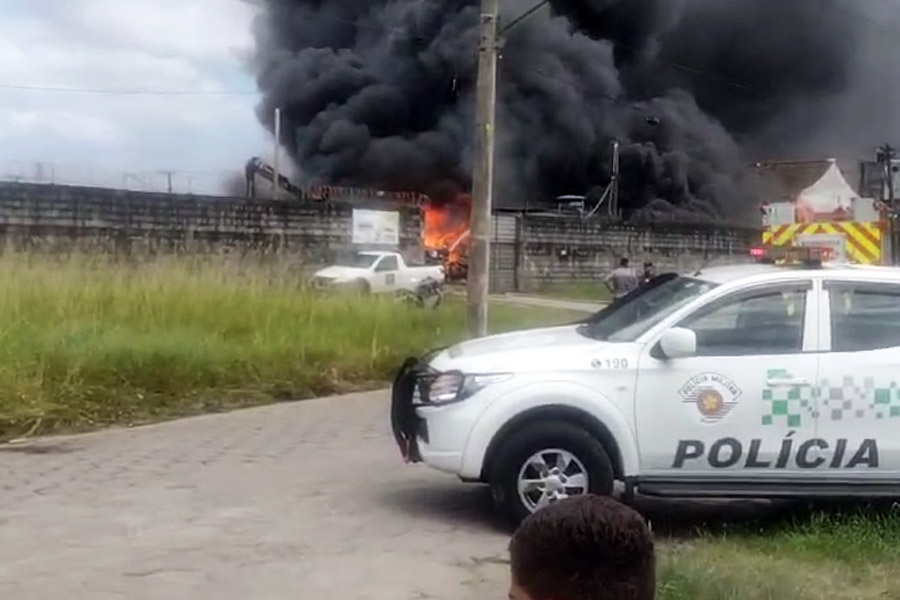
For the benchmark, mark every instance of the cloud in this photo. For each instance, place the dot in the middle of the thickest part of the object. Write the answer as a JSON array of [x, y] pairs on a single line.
[[59, 123], [111, 49], [196, 30]]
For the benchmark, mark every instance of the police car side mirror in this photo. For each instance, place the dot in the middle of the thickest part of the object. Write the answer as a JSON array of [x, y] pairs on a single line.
[[678, 342]]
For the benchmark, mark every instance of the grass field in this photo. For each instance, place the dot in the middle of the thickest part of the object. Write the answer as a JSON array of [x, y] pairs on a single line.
[[780, 551], [832, 554], [86, 343], [588, 291]]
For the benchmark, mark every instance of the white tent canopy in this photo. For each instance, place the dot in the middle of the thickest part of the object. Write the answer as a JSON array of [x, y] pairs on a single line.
[[829, 194]]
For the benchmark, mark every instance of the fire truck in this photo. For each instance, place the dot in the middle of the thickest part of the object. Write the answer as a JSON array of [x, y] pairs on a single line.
[[825, 212], [854, 238]]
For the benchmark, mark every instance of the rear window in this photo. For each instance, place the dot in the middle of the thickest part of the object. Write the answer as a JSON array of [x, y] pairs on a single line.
[[864, 316]]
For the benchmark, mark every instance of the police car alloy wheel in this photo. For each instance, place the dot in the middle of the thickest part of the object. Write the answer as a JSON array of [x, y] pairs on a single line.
[[546, 462], [549, 475]]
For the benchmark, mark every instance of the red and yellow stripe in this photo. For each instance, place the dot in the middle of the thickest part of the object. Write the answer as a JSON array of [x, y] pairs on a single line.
[[863, 238]]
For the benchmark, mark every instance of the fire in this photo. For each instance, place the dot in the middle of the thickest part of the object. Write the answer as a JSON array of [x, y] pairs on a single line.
[[446, 222], [447, 227]]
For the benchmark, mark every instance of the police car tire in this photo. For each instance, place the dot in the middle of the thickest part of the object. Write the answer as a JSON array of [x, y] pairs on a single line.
[[533, 438]]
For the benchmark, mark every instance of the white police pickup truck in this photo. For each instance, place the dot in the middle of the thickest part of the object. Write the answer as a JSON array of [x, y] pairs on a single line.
[[758, 380], [377, 272]]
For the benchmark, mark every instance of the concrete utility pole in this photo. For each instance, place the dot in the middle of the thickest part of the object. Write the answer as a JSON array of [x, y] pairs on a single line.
[[483, 175], [275, 156]]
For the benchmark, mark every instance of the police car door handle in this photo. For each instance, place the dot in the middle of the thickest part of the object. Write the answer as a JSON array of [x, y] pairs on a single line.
[[787, 383]]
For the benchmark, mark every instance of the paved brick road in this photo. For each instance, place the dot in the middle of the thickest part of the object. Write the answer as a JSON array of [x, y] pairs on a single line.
[[296, 501], [290, 502]]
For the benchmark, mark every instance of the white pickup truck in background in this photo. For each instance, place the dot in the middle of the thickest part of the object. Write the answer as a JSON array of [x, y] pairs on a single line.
[[377, 272]]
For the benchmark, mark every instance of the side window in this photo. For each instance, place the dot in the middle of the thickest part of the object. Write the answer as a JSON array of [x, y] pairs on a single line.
[[864, 316], [764, 321], [388, 263]]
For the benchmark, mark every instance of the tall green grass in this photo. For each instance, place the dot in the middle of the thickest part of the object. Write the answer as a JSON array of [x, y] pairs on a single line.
[[590, 291], [833, 555], [86, 342]]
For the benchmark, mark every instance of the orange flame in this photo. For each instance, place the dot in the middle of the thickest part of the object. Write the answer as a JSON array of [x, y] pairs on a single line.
[[445, 224]]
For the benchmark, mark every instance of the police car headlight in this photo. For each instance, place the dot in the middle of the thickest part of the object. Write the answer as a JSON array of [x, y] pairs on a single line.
[[455, 387]]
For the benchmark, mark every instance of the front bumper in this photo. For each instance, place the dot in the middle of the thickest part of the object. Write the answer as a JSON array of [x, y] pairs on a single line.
[[323, 283], [434, 434], [424, 431], [407, 426]]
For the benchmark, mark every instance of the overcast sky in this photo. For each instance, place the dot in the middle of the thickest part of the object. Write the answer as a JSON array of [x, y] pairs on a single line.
[[126, 45]]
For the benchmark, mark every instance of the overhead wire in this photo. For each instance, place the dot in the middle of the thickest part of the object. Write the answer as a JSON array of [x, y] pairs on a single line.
[[125, 91]]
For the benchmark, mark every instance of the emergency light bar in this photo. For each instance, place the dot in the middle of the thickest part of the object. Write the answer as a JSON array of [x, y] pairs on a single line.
[[787, 255]]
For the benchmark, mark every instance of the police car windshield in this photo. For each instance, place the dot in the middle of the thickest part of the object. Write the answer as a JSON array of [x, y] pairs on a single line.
[[627, 319]]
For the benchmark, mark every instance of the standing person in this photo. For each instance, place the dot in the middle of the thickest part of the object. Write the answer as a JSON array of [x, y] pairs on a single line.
[[583, 548], [621, 280], [648, 273]]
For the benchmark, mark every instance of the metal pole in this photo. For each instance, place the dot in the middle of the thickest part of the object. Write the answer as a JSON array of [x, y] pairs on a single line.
[[275, 156], [885, 155], [889, 169], [478, 283], [614, 182]]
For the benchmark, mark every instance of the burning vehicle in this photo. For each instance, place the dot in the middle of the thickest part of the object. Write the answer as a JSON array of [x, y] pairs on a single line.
[[445, 234]]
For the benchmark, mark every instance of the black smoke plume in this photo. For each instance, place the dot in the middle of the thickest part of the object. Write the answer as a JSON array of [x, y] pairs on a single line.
[[380, 93]]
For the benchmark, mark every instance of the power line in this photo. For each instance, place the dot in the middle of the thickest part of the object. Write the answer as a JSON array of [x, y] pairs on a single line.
[[175, 92], [522, 17], [134, 92], [125, 92]]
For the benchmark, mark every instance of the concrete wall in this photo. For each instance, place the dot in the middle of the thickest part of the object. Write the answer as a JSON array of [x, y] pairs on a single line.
[[530, 252], [64, 218]]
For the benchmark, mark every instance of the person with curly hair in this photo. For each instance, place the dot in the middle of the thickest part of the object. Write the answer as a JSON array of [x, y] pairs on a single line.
[[583, 548]]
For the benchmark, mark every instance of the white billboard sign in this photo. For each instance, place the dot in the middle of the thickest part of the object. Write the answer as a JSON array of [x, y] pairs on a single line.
[[376, 227]]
